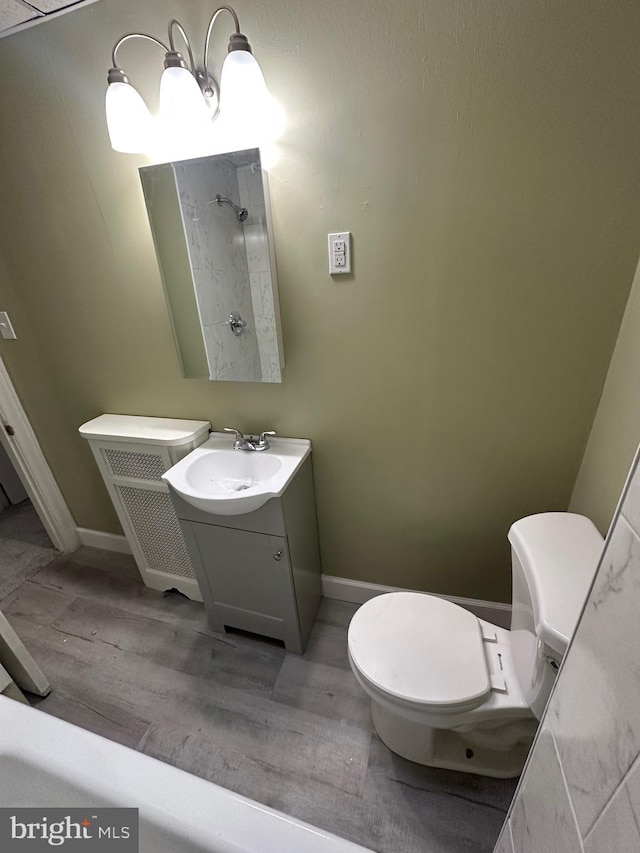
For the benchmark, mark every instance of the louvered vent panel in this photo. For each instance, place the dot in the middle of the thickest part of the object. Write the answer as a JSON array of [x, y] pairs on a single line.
[[139, 466], [157, 530]]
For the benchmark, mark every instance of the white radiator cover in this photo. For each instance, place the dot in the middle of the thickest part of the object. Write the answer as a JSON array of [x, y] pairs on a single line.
[[132, 453]]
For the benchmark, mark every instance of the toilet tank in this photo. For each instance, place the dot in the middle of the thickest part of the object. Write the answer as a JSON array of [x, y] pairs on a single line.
[[554, 557]]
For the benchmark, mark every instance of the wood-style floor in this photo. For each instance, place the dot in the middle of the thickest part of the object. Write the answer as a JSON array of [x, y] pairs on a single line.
[[290, 731], [24, 546]]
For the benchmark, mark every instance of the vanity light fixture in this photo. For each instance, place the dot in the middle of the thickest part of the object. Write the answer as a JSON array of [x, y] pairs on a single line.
[[191, 100]]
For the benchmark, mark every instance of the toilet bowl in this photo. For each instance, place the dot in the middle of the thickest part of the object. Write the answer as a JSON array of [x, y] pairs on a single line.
[[441, 682], [451, 690]]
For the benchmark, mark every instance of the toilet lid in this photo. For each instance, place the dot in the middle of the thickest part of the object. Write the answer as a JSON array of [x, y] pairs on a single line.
[[420, 649]]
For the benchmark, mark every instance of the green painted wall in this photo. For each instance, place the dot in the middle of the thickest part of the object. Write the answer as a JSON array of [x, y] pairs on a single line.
[[485, 158], [616, 429]]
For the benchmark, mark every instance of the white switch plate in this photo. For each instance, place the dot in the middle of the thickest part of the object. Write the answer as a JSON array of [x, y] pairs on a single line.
[[6, 329], [340, 252]]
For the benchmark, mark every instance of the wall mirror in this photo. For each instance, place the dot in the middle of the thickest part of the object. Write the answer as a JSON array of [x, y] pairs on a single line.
[[211, 224]]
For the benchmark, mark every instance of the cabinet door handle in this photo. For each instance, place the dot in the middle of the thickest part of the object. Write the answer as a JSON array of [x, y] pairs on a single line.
[[277, 555]]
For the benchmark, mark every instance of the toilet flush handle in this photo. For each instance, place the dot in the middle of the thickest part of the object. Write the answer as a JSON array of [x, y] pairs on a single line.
[[553, 663]]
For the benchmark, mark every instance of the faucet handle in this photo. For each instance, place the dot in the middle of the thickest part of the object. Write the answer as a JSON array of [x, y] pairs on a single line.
[[263, 444], [239, 435], [241, 442]]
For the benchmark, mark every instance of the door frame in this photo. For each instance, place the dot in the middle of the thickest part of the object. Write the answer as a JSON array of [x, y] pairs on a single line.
[[26, 455]]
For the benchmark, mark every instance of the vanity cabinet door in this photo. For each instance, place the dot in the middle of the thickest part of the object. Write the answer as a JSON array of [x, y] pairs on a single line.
[[249, 580]]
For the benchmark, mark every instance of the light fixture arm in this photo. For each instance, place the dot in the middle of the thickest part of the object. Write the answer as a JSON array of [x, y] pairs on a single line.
[[123, 39], [210, 29], [174, 23]]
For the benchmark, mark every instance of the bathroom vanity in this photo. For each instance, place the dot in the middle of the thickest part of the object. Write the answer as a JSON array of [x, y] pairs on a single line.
[[258, 570]]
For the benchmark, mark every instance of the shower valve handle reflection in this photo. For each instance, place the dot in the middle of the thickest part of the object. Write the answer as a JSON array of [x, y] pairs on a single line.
[[236, 324]]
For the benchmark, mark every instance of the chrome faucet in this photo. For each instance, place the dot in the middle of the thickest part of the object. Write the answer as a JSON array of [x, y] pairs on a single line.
[[250, 442]]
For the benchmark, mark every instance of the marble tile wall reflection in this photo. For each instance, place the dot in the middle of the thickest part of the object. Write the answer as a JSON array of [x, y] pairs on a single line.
[[256, 241], [580, 790], [216, 242]]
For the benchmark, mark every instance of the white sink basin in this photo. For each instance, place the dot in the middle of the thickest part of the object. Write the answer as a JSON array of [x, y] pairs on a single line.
[[218, 479]]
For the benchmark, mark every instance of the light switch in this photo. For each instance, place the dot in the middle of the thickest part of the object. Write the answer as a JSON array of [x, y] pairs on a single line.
[[6, 329], [340, 252]]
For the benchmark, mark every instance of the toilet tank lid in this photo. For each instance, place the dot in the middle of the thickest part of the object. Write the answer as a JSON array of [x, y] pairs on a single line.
[[145, 430], [559, 553]]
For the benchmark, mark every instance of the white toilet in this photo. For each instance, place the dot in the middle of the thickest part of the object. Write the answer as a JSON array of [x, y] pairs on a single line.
[[450, 690]]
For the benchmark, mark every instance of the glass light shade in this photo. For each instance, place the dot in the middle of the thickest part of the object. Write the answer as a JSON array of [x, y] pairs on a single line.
[[242, 87], [181, 100], [249, 116], [128, 119]]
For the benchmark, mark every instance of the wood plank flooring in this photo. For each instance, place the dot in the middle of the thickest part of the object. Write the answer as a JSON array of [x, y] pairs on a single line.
[[24, 546], [290, 731]]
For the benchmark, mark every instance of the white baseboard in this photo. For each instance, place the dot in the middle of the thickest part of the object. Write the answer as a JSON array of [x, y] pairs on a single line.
[[106, 541], [345, 589]]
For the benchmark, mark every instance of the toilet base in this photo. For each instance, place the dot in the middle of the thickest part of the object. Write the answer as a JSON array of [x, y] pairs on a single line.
[[449, 749]]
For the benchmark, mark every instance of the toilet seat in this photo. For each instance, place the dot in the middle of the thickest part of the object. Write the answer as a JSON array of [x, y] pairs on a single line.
[[421, 651]]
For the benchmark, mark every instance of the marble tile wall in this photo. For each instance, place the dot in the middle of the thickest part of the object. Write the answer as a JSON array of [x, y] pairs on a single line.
[[255, 234], [580, 790], [218, 255]]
